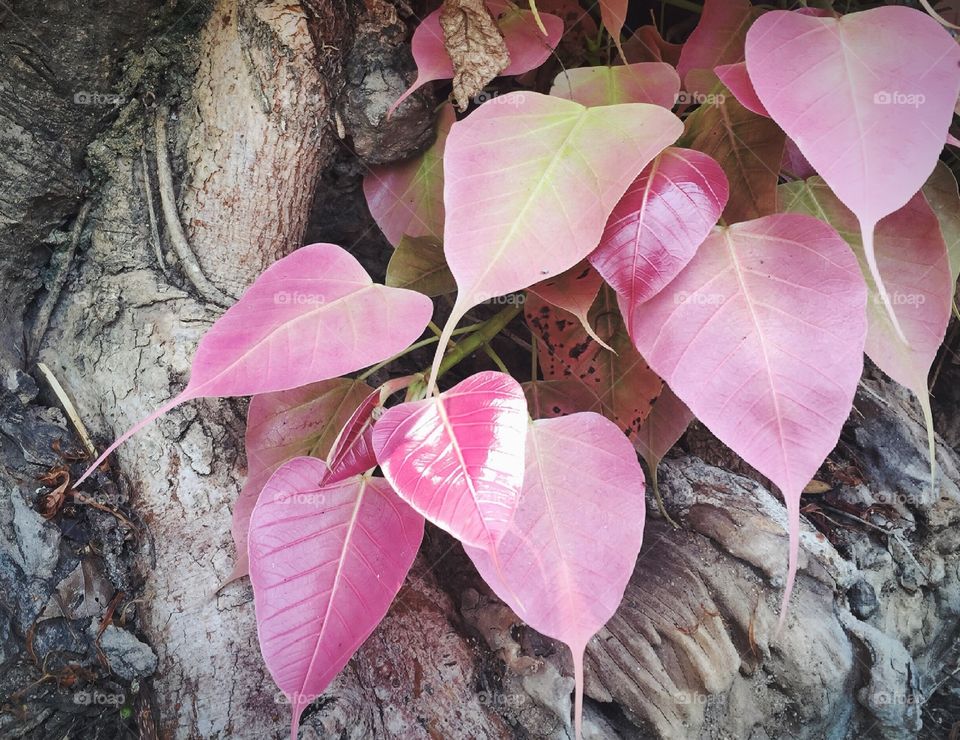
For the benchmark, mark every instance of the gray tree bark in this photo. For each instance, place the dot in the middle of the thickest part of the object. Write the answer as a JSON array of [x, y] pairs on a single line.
[[240, 127]]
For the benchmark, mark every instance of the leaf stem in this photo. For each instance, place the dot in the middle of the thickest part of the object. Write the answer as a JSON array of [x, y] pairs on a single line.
[[415, 346], [488, 350], [478, 338]]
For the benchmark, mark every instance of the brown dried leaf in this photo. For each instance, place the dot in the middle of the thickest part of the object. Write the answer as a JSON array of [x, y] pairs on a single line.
[[475, 45]]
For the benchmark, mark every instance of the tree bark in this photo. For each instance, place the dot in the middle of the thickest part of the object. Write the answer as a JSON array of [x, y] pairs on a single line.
[[245, 126]]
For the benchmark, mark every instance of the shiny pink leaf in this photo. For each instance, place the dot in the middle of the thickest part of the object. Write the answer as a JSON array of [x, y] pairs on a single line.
[[737, 81], [646, 82], [867, 97], [655, 229], [530, 183], [313, 315], [717, 40], [300, 422], [527, 45], [326, 561], [574, 291], [565, 562], [762, 337], [406, 198], [457, 458]]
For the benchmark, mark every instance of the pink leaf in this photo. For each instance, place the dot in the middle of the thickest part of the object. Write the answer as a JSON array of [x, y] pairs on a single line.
[[647, 45], [568, 166], [646, 82], [868, 99], [717, 40], [737, 81], [313, 315], [565, 562], [406, 198], [325, 563], [575, 291], [655, 229], [300, 422], [528, 47], [794, 162], [762, 337], [913, 261], [613, 14], [352, 451], [458, 458]]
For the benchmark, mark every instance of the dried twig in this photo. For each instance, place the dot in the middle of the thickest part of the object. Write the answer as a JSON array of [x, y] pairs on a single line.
[[69, 408]]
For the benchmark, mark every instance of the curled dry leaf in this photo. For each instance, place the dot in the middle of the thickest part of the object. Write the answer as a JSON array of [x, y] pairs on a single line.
[[475, 45]]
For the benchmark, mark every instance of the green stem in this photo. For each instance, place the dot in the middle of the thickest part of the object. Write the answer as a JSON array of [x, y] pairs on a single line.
[[417, 345], [685, 5], [659, 498], [477, 339], [488, 350]]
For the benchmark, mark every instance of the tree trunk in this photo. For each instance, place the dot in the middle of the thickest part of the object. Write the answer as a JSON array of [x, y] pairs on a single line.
[[205, 143]]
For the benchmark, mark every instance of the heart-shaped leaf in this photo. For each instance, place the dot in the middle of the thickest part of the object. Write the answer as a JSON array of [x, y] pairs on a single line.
[[867, 97], [574, 291], [568, 166], [527, 46], [647, 45], [565, 562], [418, 264], [748, 147], [547, 399], [736, 80], [717, 39], [622, 384], [912, 259], [762, 337], [300, 422], [406, 198], [326, 561], [613, 14], [655, 229], [313, 315], [457, 458], [664, 425], [646, 82]]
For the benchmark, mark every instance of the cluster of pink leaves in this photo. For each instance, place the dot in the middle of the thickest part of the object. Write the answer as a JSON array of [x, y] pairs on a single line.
[[756, 326]]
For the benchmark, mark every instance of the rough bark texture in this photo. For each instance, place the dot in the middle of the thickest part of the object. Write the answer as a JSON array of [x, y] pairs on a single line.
[[243, 127]]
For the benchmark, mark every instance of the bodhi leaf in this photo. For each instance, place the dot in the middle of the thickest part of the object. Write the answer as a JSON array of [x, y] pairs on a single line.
[[418, 264], [575, 291], [547, 399], [313, 315], [613, 14], [300, 422], [646, 82], [326, 561], [406, 198], [941, 193], [529, 185], [748, 147], [737, 81], [867, 97], [564, 563], [655, 229], [762, 336], [647, 45], [457, 458], [527, 46], [475, 47], [717, 39], [912, 259], [621, 383], [664, 425]]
